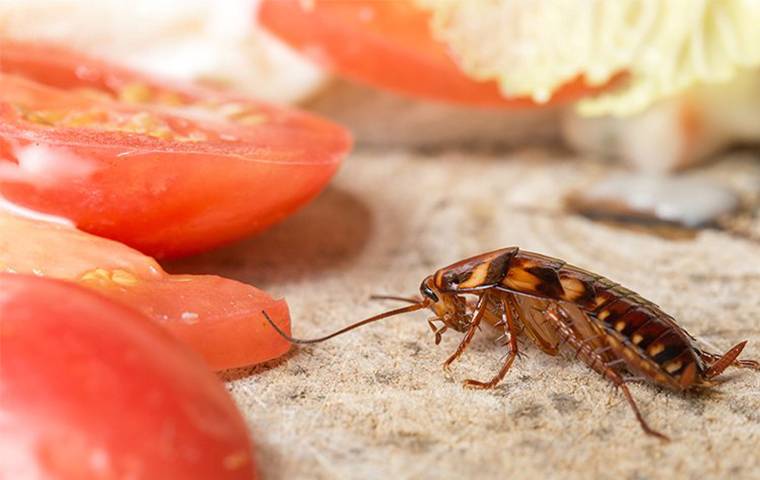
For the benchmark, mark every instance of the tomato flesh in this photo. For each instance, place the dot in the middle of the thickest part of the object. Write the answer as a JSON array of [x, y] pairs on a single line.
[[92, 390], [387, 45], [171, 170], [219, 318]]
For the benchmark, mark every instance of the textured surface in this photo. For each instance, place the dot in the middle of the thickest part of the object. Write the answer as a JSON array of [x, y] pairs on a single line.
[[376, 404]]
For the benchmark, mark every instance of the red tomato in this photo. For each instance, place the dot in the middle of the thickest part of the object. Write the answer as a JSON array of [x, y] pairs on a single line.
[[170, 170], [220, 319], [387, 44], [92, 390]]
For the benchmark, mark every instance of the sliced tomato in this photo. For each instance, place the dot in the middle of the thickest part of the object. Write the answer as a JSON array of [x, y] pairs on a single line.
[[92, 390], [170, 170], [386, 44], [219, 318]]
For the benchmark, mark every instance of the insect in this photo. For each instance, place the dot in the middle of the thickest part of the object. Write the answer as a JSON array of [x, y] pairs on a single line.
[[613, 330]]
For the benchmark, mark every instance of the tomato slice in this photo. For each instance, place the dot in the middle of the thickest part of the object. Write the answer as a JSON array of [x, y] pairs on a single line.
[[92, 390], [171, 170], [387, 45], [219, 318]]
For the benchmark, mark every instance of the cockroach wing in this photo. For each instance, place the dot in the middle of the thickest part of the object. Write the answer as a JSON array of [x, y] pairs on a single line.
[[584, 327], [532, 314]]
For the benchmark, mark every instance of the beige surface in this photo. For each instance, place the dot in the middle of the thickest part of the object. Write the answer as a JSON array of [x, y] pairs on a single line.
[[376, 404]]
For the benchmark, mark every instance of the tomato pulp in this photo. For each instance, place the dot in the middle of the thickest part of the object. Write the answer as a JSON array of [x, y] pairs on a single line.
[[168, 169]]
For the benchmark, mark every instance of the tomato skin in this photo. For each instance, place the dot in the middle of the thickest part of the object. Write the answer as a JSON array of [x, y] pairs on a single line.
[[218, 318], [165, 197], [93, 390], [387, 45]]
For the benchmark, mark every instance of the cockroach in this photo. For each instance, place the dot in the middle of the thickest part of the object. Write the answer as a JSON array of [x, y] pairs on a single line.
[[613, 330]]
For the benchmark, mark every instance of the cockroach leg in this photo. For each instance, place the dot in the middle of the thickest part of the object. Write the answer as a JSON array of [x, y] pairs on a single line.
[[507, 318], [562, 322], [602, 350], [479, 312], [470, 383], [620, 382], [615, 363], [634, 379], [517, 328], [503, 340], [644, 425], [584, 342], [438, 332]]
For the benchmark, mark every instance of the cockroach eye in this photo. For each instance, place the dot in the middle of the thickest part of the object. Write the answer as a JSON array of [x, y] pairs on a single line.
[[428, 292]]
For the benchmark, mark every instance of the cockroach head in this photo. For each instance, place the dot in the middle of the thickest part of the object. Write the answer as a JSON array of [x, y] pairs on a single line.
[[449, 308], [428, 290]]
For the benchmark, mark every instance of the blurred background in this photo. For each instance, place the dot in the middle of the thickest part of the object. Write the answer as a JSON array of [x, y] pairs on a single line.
[[672, 102]]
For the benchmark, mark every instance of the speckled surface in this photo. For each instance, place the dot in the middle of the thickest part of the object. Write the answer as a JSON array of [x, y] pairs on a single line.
[[376, 404]]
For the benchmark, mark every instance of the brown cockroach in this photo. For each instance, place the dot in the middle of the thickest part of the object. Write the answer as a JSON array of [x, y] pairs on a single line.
[[613, 330]]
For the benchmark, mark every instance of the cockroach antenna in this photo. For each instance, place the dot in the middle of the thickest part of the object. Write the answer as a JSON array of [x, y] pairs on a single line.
[[398, 311], [393, 297]]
